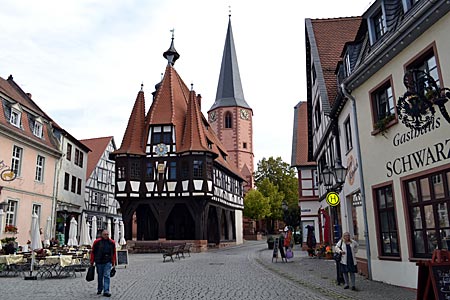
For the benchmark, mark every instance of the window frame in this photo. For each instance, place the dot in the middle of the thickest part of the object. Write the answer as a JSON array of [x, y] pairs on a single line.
[[348, 134], [172, 170], [228, 120], [421, 203], [69, 152], [11, 214], [425, 55], [197, 168], [79, 184], [16, 160], [73, 184], [378, 20], [378, 211], [66, 181], [15, 117], [40, 167], [374, 104], [38, 129]]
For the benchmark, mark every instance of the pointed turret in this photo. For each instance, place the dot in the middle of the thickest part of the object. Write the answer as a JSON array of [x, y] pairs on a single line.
[[132, 139], [229, 88], [194, 138], [171, 54]]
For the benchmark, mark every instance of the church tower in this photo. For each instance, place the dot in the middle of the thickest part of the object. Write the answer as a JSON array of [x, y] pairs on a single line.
[[230, 116]]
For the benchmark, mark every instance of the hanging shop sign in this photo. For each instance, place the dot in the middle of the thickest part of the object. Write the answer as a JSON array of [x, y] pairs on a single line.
[[416, 108], [352, 166], [6, 174]]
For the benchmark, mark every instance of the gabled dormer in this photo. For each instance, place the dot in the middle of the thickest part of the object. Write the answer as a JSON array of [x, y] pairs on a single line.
[[15, 117], [38, 127]]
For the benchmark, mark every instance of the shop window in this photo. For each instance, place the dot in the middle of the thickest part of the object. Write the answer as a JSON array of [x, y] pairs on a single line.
[[387, 224], [428, 208]]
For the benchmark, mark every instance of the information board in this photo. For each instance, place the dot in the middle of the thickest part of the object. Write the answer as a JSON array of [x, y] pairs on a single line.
[[440, 278], [122, 257]]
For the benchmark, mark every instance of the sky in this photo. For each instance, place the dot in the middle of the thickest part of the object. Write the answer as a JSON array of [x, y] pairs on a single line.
[[84, 61]]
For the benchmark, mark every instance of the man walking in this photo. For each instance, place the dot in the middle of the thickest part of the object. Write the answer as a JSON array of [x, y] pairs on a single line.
[[103, 254]]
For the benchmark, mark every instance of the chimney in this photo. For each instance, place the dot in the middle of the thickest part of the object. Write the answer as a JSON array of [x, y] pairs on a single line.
[[29, 95], [199, 99]]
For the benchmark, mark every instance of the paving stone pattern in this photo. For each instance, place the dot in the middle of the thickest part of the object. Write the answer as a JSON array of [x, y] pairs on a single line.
[[241, 272]]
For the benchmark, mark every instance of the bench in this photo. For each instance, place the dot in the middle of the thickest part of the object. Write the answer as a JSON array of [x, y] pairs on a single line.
[[170, 252]]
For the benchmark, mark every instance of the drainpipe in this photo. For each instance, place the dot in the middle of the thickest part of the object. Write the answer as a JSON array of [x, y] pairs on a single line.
[[361, 179], [58, 165]]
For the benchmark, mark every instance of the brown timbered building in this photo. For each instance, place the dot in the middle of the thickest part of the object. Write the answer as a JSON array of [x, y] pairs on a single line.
[[174, 180]]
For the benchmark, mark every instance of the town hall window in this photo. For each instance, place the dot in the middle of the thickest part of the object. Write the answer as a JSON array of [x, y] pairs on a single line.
[[198, 169], [228, 120]]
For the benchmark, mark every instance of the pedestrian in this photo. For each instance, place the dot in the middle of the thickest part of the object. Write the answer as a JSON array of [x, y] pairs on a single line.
[[348, 248], [103, 254]]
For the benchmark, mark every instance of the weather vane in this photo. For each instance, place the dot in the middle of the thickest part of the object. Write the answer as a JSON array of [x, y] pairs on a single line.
[[142, 86], [229, 11], [173, 32]]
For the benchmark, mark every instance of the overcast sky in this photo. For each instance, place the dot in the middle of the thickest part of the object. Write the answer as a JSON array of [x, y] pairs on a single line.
[[84, 60]]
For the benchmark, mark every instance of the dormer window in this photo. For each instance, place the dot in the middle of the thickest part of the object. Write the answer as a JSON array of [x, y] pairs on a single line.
[[15, 117], [347, 65], [379, 25], [37, 128]]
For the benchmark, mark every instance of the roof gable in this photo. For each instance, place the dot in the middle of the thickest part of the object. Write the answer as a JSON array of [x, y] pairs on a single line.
[[98, 146]]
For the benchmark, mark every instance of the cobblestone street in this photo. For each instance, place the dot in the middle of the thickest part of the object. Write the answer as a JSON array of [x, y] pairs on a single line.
[[241, 272]]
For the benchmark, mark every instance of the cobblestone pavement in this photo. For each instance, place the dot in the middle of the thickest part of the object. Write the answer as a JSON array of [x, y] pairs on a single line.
[[241, 272]]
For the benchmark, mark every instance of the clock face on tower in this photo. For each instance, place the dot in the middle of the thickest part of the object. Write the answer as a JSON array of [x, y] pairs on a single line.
[[213, 116], [161, 149], [244, 114]]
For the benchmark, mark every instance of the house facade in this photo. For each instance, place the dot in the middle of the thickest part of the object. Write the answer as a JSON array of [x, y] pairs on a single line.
[[70, 182], [99, 200], [400, 61], [311, 211], [29, 156]]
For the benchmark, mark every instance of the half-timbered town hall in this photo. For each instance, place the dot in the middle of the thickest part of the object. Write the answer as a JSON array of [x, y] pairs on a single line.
[[174, 178]]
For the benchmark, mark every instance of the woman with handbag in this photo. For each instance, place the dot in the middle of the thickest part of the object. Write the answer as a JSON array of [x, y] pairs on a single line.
[[347, 248]]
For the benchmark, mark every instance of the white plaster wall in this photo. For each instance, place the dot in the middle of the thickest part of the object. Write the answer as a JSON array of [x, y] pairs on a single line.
[[378, 150]]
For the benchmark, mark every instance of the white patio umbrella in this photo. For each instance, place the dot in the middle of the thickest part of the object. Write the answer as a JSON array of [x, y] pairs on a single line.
[[47, 231], [94, 228], [2, 214], [122, 240], [36, 242], [108, 226], [73, 230], [116, 232], [85, 239]]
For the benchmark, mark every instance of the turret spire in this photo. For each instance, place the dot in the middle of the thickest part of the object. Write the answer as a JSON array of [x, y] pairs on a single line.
[[171, 54]]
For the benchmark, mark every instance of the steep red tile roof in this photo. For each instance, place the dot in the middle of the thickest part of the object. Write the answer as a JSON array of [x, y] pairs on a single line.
[[170, 103], [11, 90], [194, 138], [331, 36], [133, 142], [98, 147], [300, 139]]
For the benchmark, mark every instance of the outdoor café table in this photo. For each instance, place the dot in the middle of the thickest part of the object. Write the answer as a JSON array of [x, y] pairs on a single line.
[[9, 263], [55, 266]]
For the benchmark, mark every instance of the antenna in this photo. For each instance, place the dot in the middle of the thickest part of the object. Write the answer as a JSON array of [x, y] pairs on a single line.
[[173, 33]]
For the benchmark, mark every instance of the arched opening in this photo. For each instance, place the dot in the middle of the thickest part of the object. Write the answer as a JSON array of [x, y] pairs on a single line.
[[180, 225], [213, 234], [228, 120], [224, 226], [146, 224]]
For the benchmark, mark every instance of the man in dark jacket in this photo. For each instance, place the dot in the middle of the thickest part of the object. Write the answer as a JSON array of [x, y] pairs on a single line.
[[103, 254]]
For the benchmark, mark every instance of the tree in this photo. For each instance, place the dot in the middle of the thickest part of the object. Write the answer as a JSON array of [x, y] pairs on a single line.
[[256, 206], [281, 175]]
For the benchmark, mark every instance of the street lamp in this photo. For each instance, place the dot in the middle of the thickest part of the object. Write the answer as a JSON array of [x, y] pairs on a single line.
[[338, 173]]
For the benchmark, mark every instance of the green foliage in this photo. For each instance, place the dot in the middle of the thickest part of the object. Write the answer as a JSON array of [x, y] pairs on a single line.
[[283, 177], [270, 191], [256, 206]]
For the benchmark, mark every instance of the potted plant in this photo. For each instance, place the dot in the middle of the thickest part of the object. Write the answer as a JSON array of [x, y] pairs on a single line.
[[381, 125], [270, 242], [328, 252]]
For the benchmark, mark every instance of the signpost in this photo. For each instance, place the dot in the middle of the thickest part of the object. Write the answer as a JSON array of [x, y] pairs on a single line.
[[122, 257]]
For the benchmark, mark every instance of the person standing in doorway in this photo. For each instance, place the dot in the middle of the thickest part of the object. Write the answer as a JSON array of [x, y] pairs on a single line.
[[103, 254], [348, 248]]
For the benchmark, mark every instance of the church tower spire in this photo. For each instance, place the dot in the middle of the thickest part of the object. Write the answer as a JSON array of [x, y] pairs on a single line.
[[230, 116]]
